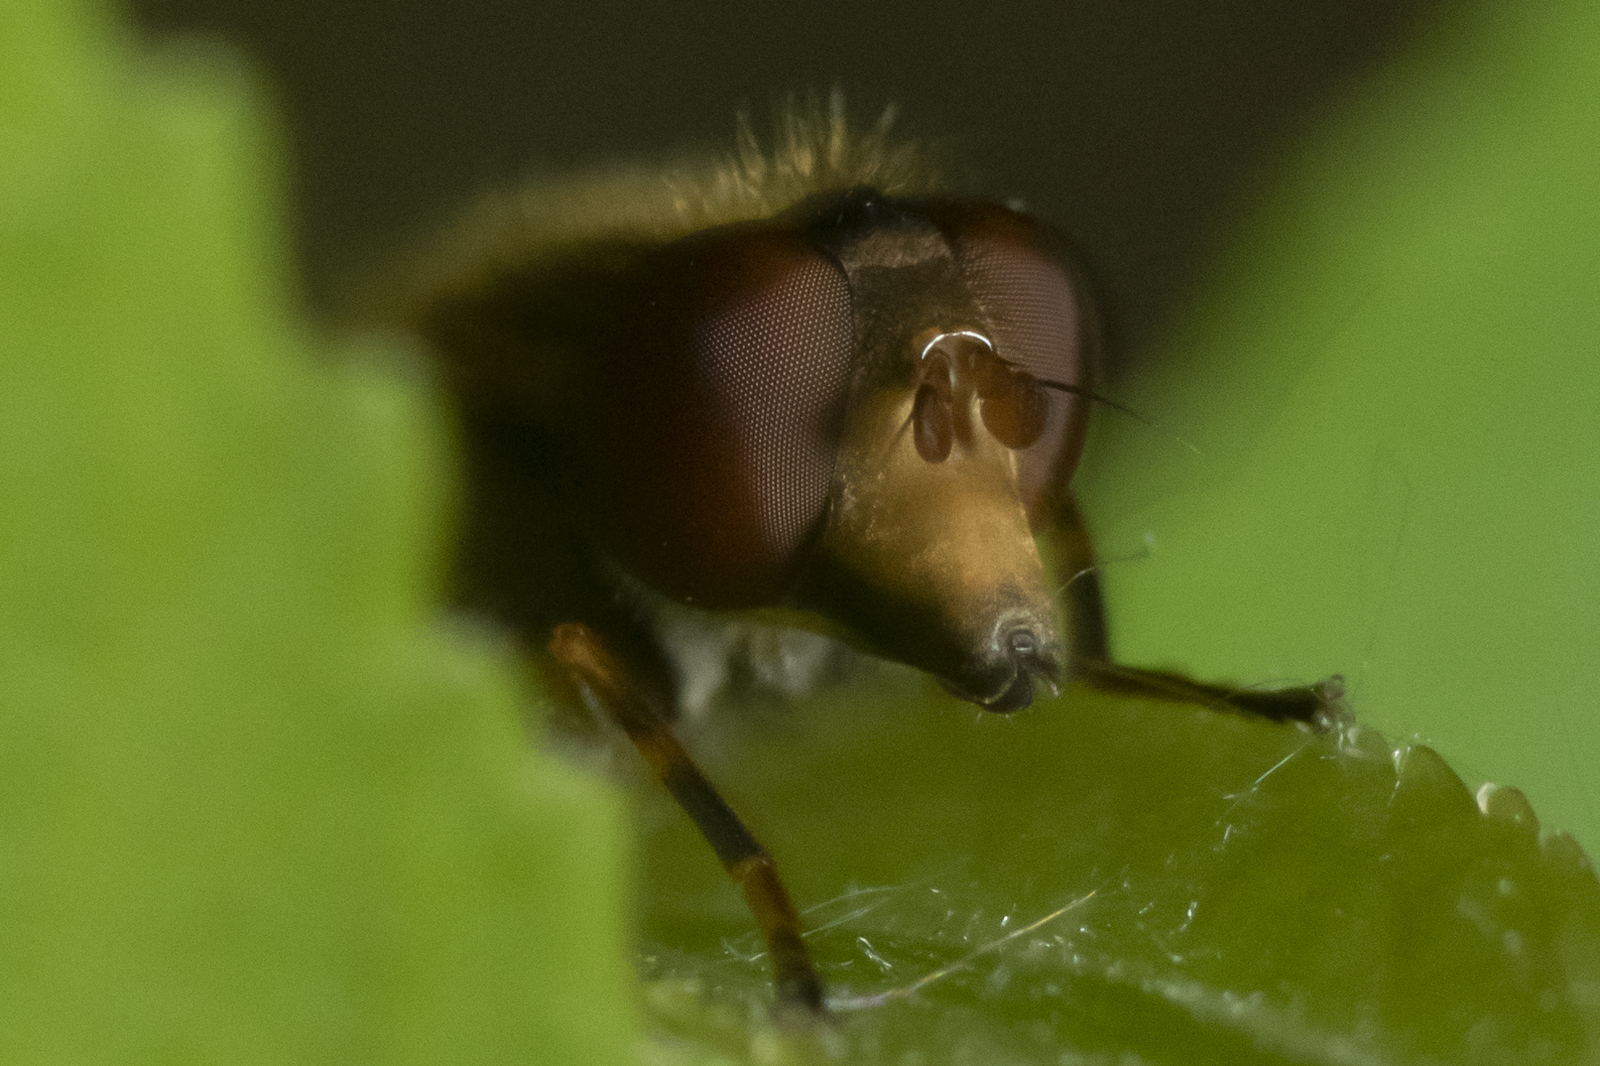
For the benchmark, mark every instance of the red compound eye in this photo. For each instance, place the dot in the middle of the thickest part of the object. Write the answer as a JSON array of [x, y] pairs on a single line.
[[1018, 270], [730, 412]]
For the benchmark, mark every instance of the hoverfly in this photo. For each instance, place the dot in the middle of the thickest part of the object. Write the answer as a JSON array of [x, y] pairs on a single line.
[[804, 382]]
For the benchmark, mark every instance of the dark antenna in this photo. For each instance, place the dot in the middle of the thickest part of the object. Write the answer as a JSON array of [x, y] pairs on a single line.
[[1090, 394]]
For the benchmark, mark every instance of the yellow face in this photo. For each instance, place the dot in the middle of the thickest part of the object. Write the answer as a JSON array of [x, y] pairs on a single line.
[[944, 551]]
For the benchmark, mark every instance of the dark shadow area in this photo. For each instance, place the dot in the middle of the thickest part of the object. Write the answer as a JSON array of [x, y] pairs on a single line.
[[1139, 128]]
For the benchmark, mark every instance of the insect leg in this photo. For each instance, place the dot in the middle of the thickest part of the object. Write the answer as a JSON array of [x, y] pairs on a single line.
[[1089, 650], [581, 650]]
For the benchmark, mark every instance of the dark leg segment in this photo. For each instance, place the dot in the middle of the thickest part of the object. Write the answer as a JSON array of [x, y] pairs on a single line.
[[1319, 705], [581, 651]]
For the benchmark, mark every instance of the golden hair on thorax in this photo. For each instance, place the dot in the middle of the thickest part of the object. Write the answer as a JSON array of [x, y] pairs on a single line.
[[814, 148]]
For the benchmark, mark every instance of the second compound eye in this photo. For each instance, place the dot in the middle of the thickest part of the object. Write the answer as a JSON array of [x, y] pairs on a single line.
[[1020, 274]]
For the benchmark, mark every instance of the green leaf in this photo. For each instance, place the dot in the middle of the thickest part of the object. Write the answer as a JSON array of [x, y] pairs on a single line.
[[257, 804], [1100, 880]]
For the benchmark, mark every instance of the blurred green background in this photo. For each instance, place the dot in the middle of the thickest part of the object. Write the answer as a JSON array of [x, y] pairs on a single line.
[[1392, 380]]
